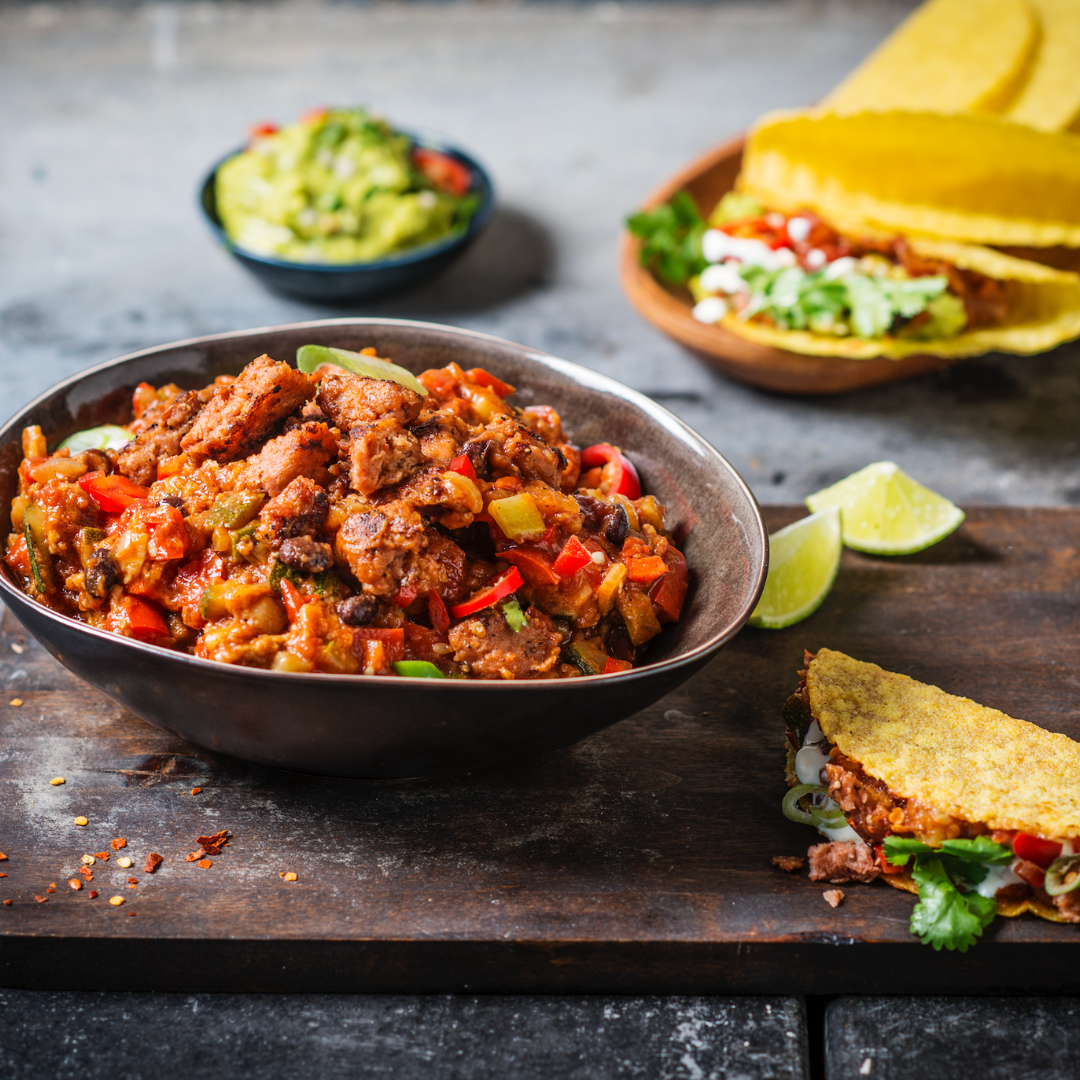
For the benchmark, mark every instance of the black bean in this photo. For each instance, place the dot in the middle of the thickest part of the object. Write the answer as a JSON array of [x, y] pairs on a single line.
[[357, 610], [102, 573], [617, 527]]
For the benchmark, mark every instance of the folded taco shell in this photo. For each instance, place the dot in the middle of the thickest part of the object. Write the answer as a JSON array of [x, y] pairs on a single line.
[[972, 178]]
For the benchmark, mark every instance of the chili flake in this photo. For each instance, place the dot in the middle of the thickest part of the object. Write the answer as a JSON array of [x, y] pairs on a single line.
[[116, 901], [93, 894], [81, 821], [41, 899], [17, 648], [118, 843], [133, 881], [7, 903], [290, 876], [153, 861], [51, 888], [102, 855], [196, 791], [123, 863], [75, 884], [89, 860], [3, 875], [86, 873], [204, 863], [56, 781], [16, 701], [3, 857], [191, 856]]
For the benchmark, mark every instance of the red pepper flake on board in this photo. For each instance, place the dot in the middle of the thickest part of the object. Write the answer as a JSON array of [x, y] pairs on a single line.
[[86, 873], [211, 845], [75, 884], [7, 903], [133, 881], [51, 888], [41, 899], [196, 791], [3, 857], [102, 855], [204, 863], [93, 894], [3, 875], [153, 861], [118, 843], [191, 856]]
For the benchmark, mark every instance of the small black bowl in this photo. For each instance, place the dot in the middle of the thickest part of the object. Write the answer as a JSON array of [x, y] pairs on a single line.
[[370, 726], [335, 283]]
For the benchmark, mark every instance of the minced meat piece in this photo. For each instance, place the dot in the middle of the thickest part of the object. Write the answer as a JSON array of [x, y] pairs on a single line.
[[300, 510], [381, 454], [304, 554], [441, 436], [352, 400], [843, 860], [1068, 905], [241, 415], [788, 863], [492, 650], [508, 447], [865, 800], [304, 450], [139, 459], [380, 544]]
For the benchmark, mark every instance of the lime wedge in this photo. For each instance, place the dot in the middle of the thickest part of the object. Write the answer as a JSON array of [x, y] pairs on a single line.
[[803, 560], [888, 513]]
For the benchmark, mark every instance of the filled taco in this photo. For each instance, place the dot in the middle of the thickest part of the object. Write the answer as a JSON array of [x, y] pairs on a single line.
[[793, 280], [976, 812]]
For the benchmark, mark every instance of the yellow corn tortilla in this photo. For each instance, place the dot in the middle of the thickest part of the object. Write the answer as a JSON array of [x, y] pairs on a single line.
[[971, 178], [1050, 98], [964, 759], [948, 56], [1044, 312], [1009, 908]]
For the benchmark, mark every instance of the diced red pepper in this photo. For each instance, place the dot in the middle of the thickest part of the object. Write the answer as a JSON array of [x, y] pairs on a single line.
[[535, 569], [294, 599], [620, 476], [115, 493], [170, 466], [613, 665], [462, 464], [169, 537], [392, 638], [884, 865], [669, 591], [440, 617], [510, 582], [261, 130], [480, 377], [1040, 852], [645, 569], [419, 641], [18, 558], [443, 171], [406, 595], [572, 558], [137, 618], [1030, 872]]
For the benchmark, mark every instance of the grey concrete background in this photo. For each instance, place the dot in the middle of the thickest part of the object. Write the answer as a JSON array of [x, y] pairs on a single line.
[[112, 113], [108, 1036]]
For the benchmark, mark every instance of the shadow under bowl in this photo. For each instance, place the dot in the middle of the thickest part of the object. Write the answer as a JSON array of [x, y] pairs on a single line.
[[376, 727], [337, 283]]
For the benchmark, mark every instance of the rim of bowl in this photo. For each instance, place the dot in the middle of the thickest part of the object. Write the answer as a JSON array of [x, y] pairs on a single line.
[[586, 376], [481, 183]]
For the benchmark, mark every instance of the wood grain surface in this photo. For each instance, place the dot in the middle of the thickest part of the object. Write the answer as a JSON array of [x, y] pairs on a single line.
[[637, 861]]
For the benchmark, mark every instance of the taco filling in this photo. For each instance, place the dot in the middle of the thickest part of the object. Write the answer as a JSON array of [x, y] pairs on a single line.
[[906, 812]]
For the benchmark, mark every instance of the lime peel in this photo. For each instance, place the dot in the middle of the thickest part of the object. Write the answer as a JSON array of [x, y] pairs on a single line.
[[804, 558], [886, 512]]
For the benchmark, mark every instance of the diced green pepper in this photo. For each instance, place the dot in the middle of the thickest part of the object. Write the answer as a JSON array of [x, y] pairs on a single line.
[[417, 669], [233, 509], [212, 605], [517, 516], [637, 611]]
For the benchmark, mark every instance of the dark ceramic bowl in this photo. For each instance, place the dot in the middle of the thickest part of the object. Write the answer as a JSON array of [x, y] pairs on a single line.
[[392, 727], [335, 283]]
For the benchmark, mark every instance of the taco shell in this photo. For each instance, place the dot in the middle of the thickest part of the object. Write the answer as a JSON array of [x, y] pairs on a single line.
[[1044, 311], [1050, 99], [948, 56], [964, 759], [971, 178]]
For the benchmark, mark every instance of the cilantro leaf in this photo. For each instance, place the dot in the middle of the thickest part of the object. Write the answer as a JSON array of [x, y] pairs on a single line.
[[515, 617], [980, 849], [898, 849], [671, 236], [944, 917]]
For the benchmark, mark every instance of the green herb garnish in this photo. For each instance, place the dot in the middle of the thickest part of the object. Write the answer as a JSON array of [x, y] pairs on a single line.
[[311, 357], [671, 236]]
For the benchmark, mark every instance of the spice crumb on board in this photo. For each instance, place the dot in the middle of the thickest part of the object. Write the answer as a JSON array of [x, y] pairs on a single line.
[[3, 875], [93, 894], [56, 781], [788, 863], [16, 701], [88, 860], [290, 876], [82, 821], [86, 873], [196, 791], [116, 901], [51, 888], [118, 843], [153, 861], [204, 863], [102, 855], [75, 884], [40, 899], [7, 903], [2, 856], [17, 648], [833, 897], [123, 863]]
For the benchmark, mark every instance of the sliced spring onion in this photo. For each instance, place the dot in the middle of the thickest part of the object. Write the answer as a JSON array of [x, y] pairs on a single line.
[[106, 437], [417, 669], [311, 357], [818, 817], [1055, 883]]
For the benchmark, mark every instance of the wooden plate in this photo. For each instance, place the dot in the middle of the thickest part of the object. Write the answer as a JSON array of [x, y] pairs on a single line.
[[669, 309]]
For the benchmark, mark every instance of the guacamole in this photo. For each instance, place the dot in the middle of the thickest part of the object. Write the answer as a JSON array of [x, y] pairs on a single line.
[[339, 186]]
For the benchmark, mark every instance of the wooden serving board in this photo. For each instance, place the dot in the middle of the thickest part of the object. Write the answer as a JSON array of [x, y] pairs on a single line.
[[637, 861]]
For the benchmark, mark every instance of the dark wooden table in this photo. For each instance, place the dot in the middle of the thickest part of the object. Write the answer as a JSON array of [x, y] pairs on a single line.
[[635, 862]]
